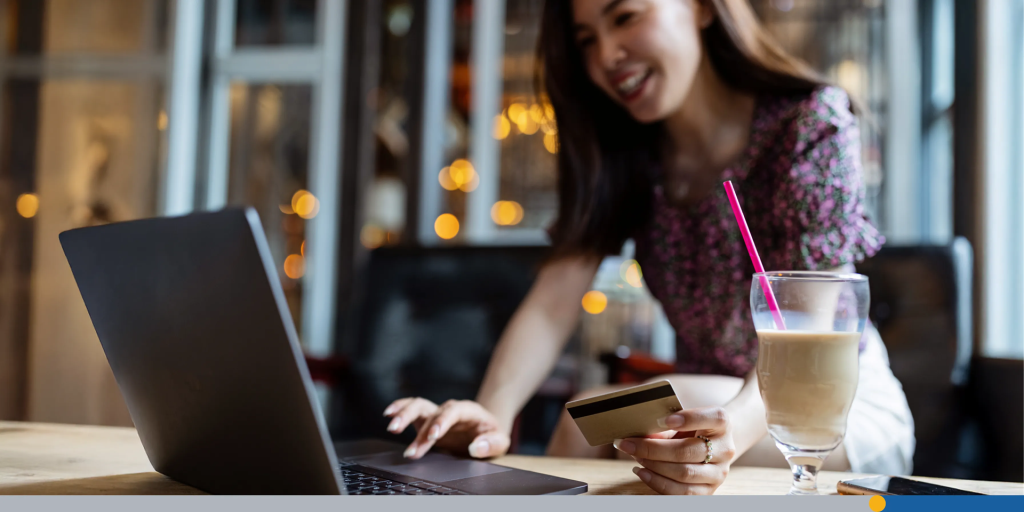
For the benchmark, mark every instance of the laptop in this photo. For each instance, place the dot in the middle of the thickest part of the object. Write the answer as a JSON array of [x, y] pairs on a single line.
[[193, 321]]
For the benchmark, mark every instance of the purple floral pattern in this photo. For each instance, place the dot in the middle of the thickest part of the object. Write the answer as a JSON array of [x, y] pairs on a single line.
[[800, 185]]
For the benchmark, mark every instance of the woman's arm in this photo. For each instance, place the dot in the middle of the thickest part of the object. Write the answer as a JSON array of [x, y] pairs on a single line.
[[535, 337], [525, 354], [746, 413]]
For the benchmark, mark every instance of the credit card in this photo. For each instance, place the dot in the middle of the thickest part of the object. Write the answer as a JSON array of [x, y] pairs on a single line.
[[632, 412]]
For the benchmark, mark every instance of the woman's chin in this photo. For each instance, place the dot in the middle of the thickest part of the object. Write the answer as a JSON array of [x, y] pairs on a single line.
[[647, 115]]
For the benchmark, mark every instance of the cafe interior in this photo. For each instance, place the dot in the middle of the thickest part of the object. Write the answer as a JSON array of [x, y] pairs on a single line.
[[403, 165]]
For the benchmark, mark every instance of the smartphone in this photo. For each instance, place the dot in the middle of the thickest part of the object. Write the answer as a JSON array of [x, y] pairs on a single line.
[[894, 485]]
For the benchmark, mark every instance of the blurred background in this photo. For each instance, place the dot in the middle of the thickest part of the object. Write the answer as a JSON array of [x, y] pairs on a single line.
[[404, 169]]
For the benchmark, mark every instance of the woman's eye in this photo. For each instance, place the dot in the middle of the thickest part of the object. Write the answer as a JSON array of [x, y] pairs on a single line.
[[623, 18], [585, 42]]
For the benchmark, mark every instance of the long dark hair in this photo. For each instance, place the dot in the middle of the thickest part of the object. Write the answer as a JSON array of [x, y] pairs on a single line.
[[605, 157]]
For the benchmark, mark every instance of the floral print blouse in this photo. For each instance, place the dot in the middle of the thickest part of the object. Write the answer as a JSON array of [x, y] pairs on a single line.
[[800, 185]]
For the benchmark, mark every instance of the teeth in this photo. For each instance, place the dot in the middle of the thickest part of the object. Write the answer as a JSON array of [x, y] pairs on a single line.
[[628, 85]]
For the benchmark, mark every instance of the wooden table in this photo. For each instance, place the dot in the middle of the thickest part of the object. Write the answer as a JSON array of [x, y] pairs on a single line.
[[38, 458]]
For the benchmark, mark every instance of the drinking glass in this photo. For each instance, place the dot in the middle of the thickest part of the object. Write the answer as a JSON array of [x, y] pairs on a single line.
[[807, 368]]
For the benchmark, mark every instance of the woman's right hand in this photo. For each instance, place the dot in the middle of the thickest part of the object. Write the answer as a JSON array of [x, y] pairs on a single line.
[[462, 426]]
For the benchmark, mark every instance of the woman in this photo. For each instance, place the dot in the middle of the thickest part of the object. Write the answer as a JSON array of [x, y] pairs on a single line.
[[657, 103]]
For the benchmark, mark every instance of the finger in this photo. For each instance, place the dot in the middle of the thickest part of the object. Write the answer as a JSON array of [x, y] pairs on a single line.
[[490, 444], [690, 450], [704, 418], [668, 434], [686, 473], [416, 409], [664, 485], [433, 429], [396, 406]]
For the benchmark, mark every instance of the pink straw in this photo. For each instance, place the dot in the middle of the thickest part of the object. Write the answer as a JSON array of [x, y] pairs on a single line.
[[754, 258]]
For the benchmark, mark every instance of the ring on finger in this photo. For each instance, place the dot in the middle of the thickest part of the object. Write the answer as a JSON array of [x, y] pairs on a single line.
[[707, 443]]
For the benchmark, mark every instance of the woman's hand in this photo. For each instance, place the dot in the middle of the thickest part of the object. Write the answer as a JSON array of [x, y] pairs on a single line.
[[673, 462], [462, 426]]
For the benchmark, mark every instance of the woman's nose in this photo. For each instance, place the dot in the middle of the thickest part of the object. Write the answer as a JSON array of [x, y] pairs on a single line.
[[610, 52]]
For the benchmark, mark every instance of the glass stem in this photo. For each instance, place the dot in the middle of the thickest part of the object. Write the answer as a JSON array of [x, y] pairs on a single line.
[[805, 476]]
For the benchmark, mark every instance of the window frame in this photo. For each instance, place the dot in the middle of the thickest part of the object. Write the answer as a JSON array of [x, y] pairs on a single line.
[[321, 66]]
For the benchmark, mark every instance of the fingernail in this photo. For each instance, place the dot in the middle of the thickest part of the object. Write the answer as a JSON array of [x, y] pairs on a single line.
[[643, 474], [674, 421], [624, 446], [409, 452], [389, 410], [479, 449], [393, 426], [435, 432]]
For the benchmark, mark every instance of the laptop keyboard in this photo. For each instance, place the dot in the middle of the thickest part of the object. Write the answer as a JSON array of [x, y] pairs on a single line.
[[359, 483]]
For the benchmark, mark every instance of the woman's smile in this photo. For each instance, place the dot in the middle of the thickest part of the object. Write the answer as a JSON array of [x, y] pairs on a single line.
[[631, 85]]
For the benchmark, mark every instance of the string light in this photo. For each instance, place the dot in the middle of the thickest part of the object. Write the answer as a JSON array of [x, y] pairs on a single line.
[[27, 205], [446, 226], [294, 266], [445, 179], [305, 204], [502, 126], [372, 236], [630, 272], [507, 213], [551, 143], [594, 302]]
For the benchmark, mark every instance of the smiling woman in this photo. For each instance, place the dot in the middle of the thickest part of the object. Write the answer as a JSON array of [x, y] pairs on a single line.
[[656, 102], [615, 70]]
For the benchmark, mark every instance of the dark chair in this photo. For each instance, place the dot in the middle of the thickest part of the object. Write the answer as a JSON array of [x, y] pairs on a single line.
[[327, 370], [425, 324], [996, 411], [921, 304]]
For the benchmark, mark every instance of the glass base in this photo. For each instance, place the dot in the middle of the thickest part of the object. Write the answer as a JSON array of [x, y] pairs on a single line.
[[805, 465]]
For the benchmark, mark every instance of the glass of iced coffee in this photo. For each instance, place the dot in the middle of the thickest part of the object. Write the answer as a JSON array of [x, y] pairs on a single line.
[[807, 367]]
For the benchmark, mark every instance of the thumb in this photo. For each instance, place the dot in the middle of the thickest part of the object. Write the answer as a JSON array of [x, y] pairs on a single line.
[[490, 444]]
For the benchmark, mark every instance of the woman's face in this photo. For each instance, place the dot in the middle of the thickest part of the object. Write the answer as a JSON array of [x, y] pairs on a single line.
[[643, 53]]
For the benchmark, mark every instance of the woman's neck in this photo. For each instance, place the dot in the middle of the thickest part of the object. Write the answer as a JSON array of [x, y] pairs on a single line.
[[712, 126]]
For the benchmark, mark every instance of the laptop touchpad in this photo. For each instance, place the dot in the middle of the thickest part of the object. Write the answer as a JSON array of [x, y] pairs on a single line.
[[434, 467]]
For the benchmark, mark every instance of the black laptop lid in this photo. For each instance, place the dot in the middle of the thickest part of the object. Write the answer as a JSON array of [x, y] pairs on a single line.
[[193, 322]]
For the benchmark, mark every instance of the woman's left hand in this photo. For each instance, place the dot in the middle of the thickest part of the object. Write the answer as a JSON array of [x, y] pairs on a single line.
[[673, 462]]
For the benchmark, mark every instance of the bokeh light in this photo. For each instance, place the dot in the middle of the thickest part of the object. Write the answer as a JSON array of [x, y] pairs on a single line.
[[461, 171], [463, 175], [551, 143], [471, 185], [27, 205], [515, 112], [446, 226], [445, 179], [372, 236], [594, 302], [507, 213], [305, 204], [527, 125], [630, 272], [502, 126], [537, 113], [548, 127], [294, 266]]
